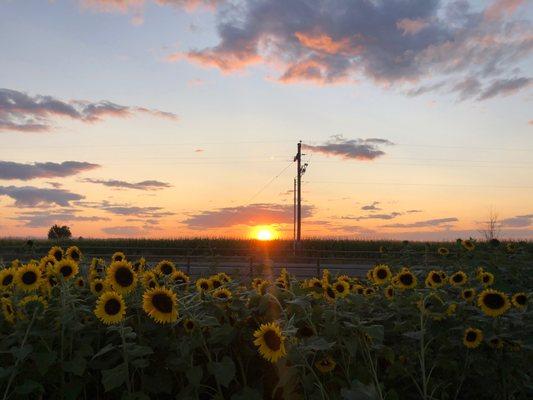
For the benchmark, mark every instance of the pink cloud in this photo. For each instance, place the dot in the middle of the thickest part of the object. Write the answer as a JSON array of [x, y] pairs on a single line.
[[500, 8], [411, 26], [322, 42]]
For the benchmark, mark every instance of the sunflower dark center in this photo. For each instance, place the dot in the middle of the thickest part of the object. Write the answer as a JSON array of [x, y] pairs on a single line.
[[486, 278], [8, 279], [317, 285], [471, 336], [216, 283], [521, 299], [29, 277], [340, 288], [98, 287], [272, 340], [457, 278], [75, 256], [381, 274], [162, 302], [124, 276], [66, 270], [117, 258], [325, 363], [58, 255], [468, 293], [406, 279], [204, 285], [436, 278], [112, 306], [80, 283], [222, 295], [166, 269], [390, 292], [494, 301]]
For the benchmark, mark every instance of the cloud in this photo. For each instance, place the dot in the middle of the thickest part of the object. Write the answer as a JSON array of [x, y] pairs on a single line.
[[392, 43], [124, 230], [252, 214], [350, 149], [519, 221], [371, 207], [37, 219], [422, 224], [24, 113], [127, 210], [30, 196], [504, 87], [143, 185], [15, 170], [391, 215]]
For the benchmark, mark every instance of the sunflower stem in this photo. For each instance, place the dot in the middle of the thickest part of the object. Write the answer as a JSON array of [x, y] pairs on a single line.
[[125, 356]]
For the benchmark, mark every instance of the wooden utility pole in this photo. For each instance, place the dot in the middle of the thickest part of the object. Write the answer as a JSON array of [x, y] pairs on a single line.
[[300, 170]]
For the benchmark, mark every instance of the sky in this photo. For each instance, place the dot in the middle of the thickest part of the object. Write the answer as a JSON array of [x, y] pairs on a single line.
[[172, 118]]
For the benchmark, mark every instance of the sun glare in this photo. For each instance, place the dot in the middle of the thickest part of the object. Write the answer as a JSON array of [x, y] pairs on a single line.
[[264, 233]]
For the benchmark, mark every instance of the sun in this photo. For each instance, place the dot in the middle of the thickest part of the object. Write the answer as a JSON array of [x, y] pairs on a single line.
[[264, 233]]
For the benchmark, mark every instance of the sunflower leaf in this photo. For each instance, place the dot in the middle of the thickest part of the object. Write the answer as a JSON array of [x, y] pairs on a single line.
[[114, 377], [224, 371]]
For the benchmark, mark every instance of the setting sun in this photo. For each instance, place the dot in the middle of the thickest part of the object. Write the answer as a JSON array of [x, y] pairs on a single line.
[[264, 233]]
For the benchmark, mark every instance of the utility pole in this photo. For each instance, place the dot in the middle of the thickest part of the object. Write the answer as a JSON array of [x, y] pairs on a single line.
[[294, 216], [300, 170]]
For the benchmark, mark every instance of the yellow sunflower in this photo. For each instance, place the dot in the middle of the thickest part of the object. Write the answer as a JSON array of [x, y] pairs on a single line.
[[443, 251], [203, 285], [472, 338], [118, 256], [110, 308], [97, 286], [434, 279], [486, 278], [468, 245], [165, 267], [149, 279], [138, 266], [179, 278], [7, 278], [7, 310], [47, 263], [256, 282], [215, 282], [389, 292], [519, 300], [224, 277], [341, 288], [74, 253], [458, 278], [314, 283], [468, 294], [326, 275], [325, 365], [381, 274], [493, 302], [67, 268], [270, 341], [121, 277], [359, 289], [56, 252], [369, 291], [329, 293], [28, 277], [406, 279], [263, 287], [222, 294], [30, 304], [161, 304]]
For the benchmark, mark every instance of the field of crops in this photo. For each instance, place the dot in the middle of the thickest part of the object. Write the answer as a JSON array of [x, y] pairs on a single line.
[[79, 328]]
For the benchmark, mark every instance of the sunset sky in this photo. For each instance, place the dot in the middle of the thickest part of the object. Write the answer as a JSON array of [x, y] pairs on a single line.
[[167, 118]]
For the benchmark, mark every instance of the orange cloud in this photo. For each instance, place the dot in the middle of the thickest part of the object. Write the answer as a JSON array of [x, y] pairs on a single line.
[[323, 42]]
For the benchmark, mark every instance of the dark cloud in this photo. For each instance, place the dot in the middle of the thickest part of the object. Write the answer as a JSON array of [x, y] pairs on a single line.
[[143, 185], [391, 215], [128, 210], [390, 42], [413, 211], [252, 214], [519, 221], [422, 224], [30, 196], [371, 207], [22, 112], [15, 170], [354, 149], [504, 87], [37, 219]]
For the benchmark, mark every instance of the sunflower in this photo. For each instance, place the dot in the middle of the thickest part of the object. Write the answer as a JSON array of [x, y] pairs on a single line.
[[443, 251], [326, 275], [139, 265], [67, 268], [458, 278], [28, 277], [468, 244], [510, 247], [472, 338], [519, 300], [341, 288], [179, 278], [97, 286], [406, 279], [496, 343], [80, 282], [222, 294], [74, 253], [47, 263], [215, 281], [452, 308], [189, 325], [118, 256], [468, 294], [389, 292], [314, 283], [7, 277], [370, 275], [381, 274], [359, 289], [486, 278], [434, 279], [369, 291], [52, 279], [203, 285], [30, 304], [161, 304], [7, 310], [56, 252], [225, 278], [165, 267], [344, 278], [121, 277], [16, 264], [110, 308], [270, 341], [149, 279], [329, 293], [493, 302], [325, 365], [256, 282], [262, 288]]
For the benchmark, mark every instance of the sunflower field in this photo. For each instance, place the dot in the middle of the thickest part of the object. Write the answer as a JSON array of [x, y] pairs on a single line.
[[74, 328]]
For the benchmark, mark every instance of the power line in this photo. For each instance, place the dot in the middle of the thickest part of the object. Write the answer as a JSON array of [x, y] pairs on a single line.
[[269, 182], [421, 184]]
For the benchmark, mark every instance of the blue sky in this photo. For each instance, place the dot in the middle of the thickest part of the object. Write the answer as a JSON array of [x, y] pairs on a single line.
[[235, 125]]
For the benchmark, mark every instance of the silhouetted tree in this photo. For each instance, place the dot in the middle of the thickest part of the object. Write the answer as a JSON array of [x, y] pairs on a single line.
[[59, 232]]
